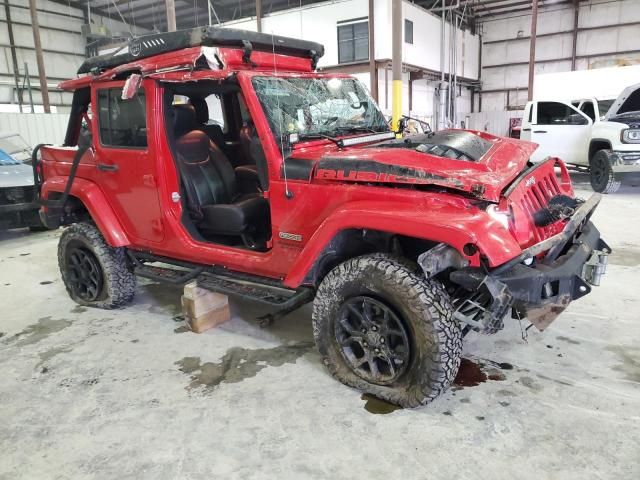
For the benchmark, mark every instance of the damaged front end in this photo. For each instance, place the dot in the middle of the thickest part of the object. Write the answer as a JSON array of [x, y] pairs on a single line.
[[538, 284]]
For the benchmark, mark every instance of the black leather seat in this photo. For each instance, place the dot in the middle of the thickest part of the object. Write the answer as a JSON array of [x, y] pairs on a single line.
[[213, 200]]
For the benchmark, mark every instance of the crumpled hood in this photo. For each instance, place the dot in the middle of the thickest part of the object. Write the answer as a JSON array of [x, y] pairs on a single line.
[[471, 161]]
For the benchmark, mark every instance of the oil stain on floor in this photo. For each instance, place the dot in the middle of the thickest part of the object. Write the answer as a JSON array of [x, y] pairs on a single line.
[[239, 364], [474, 372], [39, 331], [378, 406]]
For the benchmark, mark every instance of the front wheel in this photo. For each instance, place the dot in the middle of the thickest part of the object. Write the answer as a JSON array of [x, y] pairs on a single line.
[[385, 330], [603, 179], [94, 273]]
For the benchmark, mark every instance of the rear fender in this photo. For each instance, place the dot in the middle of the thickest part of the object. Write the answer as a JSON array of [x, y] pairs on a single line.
[[440, 223], [96, 204]]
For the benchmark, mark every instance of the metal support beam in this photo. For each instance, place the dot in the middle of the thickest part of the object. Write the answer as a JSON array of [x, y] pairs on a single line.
[[44, 91], [574, 44], [14, 57], [259, 15], [532, 48], [170, 6], [373, 70], [396, 62]]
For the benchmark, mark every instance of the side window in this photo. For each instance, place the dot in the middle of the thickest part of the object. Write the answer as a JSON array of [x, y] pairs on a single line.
[[123, 123], [408, 31], [588, 110], [353, 42], [555, 113]]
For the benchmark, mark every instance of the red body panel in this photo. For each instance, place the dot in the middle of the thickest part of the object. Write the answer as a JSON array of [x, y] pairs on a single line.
[[134, 207]]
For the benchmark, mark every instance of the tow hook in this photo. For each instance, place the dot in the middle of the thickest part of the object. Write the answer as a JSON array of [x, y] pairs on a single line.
[[595, 267]]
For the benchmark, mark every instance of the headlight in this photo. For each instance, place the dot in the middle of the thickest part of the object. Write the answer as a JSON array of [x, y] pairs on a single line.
[[631, 135], [502, 217]]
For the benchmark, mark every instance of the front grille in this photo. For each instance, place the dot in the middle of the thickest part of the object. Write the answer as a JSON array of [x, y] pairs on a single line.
[[532, 193], [535, 198]]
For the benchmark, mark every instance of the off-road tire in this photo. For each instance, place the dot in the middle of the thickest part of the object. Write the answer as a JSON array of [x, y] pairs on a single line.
[[118, 281], [423, 306], [601, 173]]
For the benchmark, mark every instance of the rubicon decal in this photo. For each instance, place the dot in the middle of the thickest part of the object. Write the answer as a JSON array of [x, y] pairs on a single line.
[[371, 171]]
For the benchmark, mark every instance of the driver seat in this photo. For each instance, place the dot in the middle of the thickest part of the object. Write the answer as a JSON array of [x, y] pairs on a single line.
[[213, 200]]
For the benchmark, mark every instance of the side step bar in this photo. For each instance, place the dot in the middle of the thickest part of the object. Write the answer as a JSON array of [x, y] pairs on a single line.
[[258, 289]]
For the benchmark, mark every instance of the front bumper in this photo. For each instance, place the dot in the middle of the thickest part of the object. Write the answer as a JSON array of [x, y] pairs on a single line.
[[625, 162], [565, 268]]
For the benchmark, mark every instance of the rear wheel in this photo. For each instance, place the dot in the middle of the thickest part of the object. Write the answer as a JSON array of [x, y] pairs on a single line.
[[94, 273], [385, 330], [602, 176]]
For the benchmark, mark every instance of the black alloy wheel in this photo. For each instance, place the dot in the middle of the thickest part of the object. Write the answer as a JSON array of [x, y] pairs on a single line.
[[373, 340], [85, 273]]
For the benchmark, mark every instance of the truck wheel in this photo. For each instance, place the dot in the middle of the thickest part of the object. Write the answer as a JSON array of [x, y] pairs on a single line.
[[95, 274], [385, 330], [602, 177]]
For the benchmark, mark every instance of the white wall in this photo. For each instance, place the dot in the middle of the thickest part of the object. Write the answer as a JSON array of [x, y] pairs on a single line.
[[553, 53], [37, 127]]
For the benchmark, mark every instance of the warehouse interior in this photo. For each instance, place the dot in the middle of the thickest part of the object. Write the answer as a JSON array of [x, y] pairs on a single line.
[[486, 150]]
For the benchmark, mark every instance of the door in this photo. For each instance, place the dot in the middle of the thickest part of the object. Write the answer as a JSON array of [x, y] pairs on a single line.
[[125, 160], [559, 129]]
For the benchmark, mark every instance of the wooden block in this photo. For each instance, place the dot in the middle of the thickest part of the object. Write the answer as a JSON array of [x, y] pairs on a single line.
[[201, 300], [199, 321]]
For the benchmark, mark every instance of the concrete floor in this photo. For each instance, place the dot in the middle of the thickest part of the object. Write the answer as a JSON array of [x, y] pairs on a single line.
[[128, 394]]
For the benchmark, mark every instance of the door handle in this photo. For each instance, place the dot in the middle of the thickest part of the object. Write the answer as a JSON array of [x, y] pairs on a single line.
[[526, 129], [539, 131], [104, 167]]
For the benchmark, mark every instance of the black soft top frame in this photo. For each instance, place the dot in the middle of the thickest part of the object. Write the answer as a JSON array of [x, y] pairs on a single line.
[[157, 43]]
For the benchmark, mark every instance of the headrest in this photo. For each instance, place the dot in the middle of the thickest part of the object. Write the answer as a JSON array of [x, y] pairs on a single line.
[[201, 108], [184, 119], [193, 147]]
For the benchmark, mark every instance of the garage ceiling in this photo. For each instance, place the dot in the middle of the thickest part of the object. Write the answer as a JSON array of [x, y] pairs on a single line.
[[150, 14]]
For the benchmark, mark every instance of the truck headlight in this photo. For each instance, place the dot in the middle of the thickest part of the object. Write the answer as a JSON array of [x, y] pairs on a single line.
[[502, 217], [631, 135]]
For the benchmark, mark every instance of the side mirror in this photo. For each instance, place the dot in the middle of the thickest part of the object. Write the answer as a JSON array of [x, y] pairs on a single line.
[[131, 86], [577, 119]]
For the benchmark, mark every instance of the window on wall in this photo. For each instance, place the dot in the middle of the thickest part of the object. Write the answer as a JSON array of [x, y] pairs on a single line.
[[123, 123], [408, 31], [353, 42]]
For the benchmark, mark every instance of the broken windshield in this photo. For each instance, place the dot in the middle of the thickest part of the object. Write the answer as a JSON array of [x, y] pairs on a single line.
[[317, 107]]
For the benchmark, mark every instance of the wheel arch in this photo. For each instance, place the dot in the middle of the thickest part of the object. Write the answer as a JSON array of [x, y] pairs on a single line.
[[598, 144], [86, 202]]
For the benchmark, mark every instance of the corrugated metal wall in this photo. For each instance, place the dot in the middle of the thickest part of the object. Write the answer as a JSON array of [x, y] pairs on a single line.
[[36, 128]]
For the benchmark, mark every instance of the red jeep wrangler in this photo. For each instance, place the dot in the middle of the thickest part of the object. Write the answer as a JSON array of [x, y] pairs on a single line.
[[221, 155]]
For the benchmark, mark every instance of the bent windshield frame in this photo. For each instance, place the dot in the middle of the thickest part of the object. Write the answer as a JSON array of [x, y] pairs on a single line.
[[318, 106]]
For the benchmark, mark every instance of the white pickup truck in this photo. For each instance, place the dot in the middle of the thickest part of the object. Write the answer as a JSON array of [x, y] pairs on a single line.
[[601, 136]]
